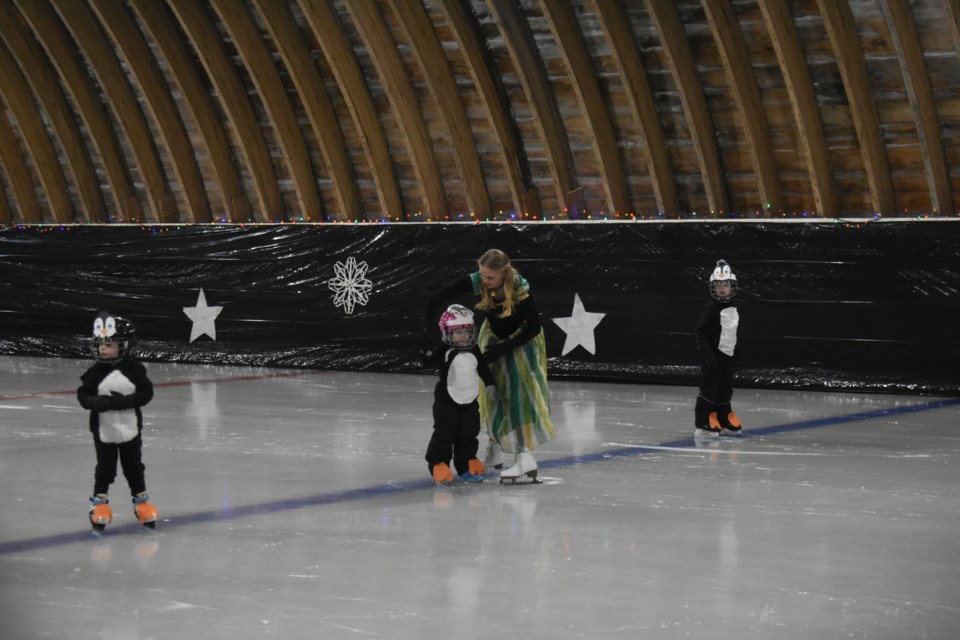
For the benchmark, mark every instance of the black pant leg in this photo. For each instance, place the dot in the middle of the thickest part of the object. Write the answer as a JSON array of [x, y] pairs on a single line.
[[446, 420], [710, 381], [133, 467], [106, 470], [467, 444]]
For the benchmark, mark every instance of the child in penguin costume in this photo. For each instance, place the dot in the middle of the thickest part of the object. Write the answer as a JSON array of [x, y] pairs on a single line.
[[113, 390], [456, 411], [717, 341]]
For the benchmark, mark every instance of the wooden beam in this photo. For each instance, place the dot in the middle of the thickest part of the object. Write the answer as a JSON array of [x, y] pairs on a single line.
[[248, 40], [443, 85], [326, 26], [129, 41], [211, 51], [843, 34], [102, 57], [566, 34], [61, 51], [616, 25], [157, 18], [38, 146], [919, 87], [743, 84], [296, 56], [684, 70], [793, 64], [43, 81], [18, 173], [493, 95], [518, 39], [396, 82], [6, 215]]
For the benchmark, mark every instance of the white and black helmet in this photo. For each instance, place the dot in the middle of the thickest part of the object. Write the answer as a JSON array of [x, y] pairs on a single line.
[[723, 274], [110, 328]]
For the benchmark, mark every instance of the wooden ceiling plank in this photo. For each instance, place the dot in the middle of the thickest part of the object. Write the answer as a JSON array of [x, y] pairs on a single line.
[[616, 25], [743, 84], [466, 30], [169, 39], [443, 85], [296, 56], [130, 42], [197, 23], [919, 86], [42, 78], [100, 53], [18, 173], [396, 81], [673, 38], [339, 53], [49, 31], [843, 34], [573, 49], [39, 147], [793, 65], [542, 98], [248, 40]]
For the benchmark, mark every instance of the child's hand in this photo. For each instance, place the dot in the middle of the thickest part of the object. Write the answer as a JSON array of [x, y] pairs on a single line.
[[99, 403]]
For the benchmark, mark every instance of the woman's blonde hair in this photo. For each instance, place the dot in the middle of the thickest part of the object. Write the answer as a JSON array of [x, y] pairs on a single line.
[[513, 290]]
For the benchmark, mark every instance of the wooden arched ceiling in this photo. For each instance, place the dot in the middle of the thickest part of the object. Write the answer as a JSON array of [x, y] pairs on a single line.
[[311, 110]]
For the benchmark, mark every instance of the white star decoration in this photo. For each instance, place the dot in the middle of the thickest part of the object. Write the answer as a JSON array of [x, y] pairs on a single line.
[[350, 284], [203, 318], [579, 327]]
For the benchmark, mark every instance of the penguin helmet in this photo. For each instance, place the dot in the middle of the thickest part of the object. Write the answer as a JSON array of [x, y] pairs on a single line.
[[723, 282], [457, 327], [110, 329]]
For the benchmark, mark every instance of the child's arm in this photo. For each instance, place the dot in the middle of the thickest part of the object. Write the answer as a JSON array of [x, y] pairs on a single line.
[[482, 369]]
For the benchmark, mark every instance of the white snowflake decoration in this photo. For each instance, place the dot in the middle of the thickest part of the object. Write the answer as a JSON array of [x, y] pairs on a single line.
[[350, 284]]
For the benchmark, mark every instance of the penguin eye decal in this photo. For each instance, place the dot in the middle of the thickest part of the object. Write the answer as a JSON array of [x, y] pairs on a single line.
[[726, 273], [98, 326], [718, 274], [110, 326]]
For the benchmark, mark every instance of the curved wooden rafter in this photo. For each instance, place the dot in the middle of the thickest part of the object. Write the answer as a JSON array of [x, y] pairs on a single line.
[[569, 40], [396, 81], [37, 144], [296, 56], [339, 53], [61, 50], [248, 40], [119, 23], [919, 88], [533, 76], [842, 31], [210, 49], [439, 77], [616, 24], [102, 57], [163, 26], [793, 64], [513, 157], [736, 61], [6, 216], [673, 39], [43, 82], [18, 173]]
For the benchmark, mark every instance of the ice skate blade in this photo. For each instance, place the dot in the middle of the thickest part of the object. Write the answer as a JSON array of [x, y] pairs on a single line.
[[98, 527], [150, 525], [530, 477]]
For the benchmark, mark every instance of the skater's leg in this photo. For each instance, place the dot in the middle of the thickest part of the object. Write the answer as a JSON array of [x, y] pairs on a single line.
[[705, 411], [466, 443], [106, 470], [132, 465], [728, 419], [440, 448]]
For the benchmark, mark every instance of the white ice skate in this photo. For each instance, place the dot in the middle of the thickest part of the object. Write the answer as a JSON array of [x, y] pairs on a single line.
[[524, 466]]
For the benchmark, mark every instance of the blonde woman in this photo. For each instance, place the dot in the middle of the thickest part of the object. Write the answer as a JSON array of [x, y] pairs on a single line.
[[517, 416]]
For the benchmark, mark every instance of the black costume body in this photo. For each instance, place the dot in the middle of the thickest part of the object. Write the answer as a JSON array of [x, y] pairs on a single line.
[[717, 340], [456, 412], [116, 432]]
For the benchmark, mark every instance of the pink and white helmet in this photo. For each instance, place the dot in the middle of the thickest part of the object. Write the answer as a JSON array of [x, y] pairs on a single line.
[[457, 328]]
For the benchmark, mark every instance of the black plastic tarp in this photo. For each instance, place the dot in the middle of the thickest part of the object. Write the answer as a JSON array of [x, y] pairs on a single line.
[[852, 305]]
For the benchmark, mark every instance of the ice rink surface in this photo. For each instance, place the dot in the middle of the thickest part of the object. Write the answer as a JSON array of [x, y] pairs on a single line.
[[297, 504]]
